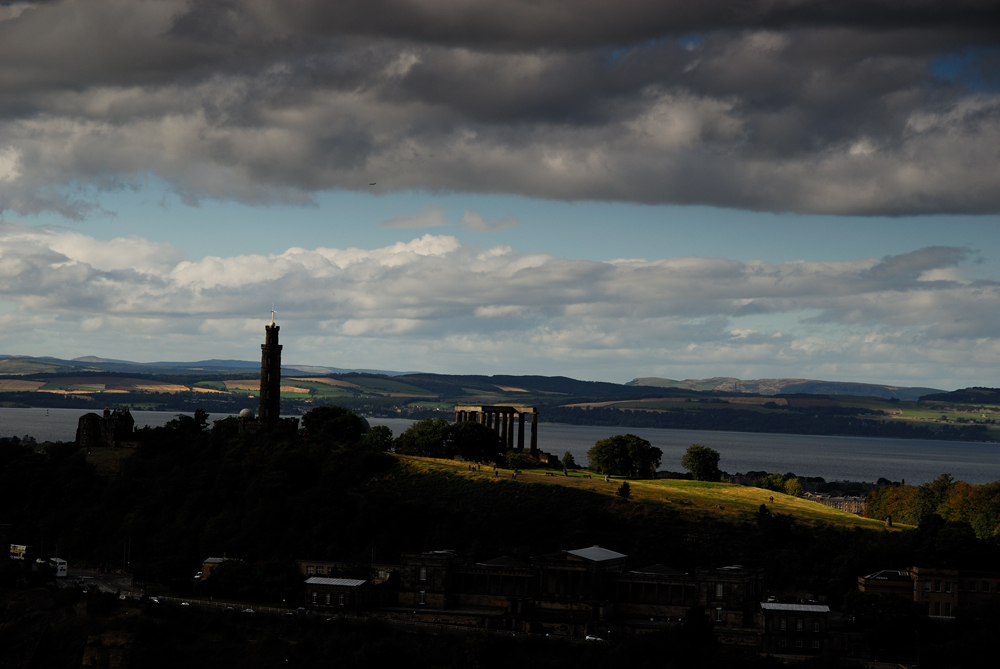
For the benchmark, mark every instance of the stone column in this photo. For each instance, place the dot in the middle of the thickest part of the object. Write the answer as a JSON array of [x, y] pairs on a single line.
[[520, 431], [534, 432], [509, 437]]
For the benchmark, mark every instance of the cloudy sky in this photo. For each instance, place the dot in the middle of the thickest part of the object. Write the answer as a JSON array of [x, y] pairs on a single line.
[[598, 189]]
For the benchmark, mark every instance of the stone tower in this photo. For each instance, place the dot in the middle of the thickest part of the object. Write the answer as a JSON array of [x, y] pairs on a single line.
[[270, 376]]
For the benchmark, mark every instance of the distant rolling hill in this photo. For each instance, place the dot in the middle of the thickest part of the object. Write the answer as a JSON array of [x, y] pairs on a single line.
[[23, 364], [787, 387]]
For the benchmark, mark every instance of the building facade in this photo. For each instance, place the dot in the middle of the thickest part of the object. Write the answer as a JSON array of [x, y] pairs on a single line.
[[115, 429], [571, 593], [940, 592]]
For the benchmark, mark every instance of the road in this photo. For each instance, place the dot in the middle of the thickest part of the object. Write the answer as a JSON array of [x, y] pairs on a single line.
[[116, 583]]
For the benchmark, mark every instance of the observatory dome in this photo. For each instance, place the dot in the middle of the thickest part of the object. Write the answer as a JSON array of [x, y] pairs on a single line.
[[246, 413]]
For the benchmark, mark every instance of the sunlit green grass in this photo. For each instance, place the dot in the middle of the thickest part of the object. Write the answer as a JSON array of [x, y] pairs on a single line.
[[695, 499]]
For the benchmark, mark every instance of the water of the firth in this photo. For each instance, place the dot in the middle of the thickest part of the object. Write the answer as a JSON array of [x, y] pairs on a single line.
[[834, 458]]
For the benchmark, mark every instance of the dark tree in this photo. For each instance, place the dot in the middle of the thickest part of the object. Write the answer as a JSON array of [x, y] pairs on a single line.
[[624, 490], [702, 462], [379, 438], [334, 424], [474, 442], [567, 461], [624, 455], [425, 438]]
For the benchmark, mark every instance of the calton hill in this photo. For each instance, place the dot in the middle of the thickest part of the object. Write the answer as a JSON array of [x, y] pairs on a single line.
[[439, 547]]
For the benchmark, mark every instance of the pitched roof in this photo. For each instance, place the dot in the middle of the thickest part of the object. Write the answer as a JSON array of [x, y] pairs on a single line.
[[803, 608], [347, 582], [889, 575], [504, 561], [596, 554], [659, 569]]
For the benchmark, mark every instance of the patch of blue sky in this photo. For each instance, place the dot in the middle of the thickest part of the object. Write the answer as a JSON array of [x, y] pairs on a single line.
[[778, 324], [977, 68], [599, 231], [689, 42]]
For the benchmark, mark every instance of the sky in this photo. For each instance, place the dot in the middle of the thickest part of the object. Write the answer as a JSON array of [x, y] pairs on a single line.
[[601, 190]]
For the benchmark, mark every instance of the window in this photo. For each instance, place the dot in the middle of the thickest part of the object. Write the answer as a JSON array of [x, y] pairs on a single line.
[[340, 599], [947, 608], [815, 626], [986, 586], [421, 597], [798, 643], [937, 608], [972, 586], [718, 591], [423, 573], [937, 586], [718, 613], [782, 624], [310, 570], [815, 643], [798, 625], [782, 642], [947, 587], [927, 586], [314, 597], [328, 599]]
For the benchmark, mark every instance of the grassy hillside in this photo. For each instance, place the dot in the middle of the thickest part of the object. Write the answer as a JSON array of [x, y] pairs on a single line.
[[694, 501]]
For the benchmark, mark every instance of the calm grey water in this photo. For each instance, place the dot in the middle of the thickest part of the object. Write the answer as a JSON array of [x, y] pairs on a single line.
[[834, 458]]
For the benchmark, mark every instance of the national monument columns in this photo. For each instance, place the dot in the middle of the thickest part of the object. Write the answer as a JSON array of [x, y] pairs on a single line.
[[500, 419]]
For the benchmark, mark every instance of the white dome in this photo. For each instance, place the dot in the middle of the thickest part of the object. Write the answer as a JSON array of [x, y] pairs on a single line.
[[246, 413]]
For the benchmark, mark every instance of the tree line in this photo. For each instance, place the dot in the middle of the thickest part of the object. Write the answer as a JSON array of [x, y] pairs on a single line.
[[813, 421], [978, 506]]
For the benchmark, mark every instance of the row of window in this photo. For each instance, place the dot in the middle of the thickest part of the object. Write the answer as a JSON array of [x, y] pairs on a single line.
[[935, 610], [971, 586], [317, 570], [318, 598], [783, 642], [800, 624]]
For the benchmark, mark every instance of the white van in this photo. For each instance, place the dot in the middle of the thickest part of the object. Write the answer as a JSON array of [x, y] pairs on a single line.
[[59, 566]]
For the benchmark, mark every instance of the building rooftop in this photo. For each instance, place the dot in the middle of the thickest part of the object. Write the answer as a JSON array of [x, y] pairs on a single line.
[[889, 575], [801, 608], [346, 582], [596, 554], [504, 561], [661, 569]]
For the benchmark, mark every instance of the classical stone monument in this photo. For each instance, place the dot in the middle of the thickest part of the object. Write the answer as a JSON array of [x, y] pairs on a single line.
[[113, 429], [501, 419]]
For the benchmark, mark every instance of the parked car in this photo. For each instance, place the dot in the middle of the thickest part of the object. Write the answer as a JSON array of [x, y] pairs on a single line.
[[591, 637]]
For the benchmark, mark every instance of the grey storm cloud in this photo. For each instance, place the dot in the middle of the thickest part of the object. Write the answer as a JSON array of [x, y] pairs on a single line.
[[771, 105]]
